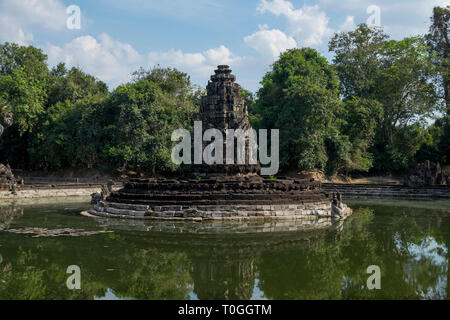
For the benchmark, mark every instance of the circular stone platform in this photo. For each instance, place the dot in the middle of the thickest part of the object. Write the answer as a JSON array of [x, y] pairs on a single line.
[[222, 197]]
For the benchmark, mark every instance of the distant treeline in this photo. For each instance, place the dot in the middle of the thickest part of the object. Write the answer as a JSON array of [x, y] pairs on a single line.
[[372, 109]]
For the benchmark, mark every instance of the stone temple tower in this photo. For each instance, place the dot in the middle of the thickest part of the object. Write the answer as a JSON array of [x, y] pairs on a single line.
[[224, 108]]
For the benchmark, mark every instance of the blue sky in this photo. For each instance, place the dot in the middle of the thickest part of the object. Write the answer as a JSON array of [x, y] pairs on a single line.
[[118, 37]]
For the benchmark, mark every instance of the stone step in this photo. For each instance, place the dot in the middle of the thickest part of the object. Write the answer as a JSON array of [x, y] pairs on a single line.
[[393, 193], [124, 212], [213, 196], [211, 202], [124, 206]]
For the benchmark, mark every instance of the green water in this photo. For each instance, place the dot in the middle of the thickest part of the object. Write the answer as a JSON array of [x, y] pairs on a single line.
[[408, 240]]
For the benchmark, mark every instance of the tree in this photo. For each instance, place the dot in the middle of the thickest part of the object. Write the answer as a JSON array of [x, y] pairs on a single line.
[[403, 85], [436, 146], [23, 82], [358, 120], [142, 116], [73, 85], [299, 96], [394, 74], [64, 140], [357, 60], [438, 39]]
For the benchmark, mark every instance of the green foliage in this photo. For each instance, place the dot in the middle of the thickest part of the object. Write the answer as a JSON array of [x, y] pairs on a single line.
[[438, 39], [299, 96], [23, 82], [357, 60], [367, 111], [361, 118], [394, 78], [250, 103], [317, 130], [436, 144], [144, 114], [66, 118], [73, 85]]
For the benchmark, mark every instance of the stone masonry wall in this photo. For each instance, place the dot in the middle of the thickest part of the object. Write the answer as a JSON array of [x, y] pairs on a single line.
[[292, 211]]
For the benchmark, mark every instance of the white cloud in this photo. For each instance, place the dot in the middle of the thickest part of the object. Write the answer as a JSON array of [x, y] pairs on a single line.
[[19, 18], [348, 25], [418, 6], [308, 25], [10, 32], [270, 43], [400, 18], [221, 55], [113, 61], [200, 64], [109, 60]]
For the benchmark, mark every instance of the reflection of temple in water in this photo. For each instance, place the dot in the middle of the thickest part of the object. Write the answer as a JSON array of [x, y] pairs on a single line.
[[215, 279], [222, 255], [8, 214]]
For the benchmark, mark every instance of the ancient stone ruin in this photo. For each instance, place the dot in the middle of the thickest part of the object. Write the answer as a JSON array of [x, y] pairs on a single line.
[[220, 191], [427, 174], [7, 179], [224, 108]]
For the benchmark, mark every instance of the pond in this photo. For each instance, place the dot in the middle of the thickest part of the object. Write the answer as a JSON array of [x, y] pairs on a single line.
[[118, 259]]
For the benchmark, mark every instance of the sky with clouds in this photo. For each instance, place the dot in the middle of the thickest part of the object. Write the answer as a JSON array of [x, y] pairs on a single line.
[[117, 37]]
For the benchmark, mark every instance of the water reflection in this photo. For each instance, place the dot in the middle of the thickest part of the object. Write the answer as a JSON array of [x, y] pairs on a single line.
[[288, 260], [8, 214], [222, 256]]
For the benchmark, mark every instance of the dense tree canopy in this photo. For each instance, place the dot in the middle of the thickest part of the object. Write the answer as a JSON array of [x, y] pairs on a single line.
[[143, 115], [369, 110], [397, 78], [299, 96], [23, 82], [438, 39], [66, 118]]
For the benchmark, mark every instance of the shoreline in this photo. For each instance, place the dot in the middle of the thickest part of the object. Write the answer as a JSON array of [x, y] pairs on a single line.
[[388, 191], [48, 193], [36, 192], [45, 201], [349, 191]]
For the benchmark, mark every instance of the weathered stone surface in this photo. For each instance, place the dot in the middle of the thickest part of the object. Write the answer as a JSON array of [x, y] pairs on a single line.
[[427, 174], [47, 193], [237, 197], [224, 108], [394, 192], [104, 193], [226, 212], [7, 179]]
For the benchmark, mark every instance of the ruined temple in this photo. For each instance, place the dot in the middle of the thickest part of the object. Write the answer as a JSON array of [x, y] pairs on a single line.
[[224, 108], [7, 179], [220, 191], [427, 174]]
